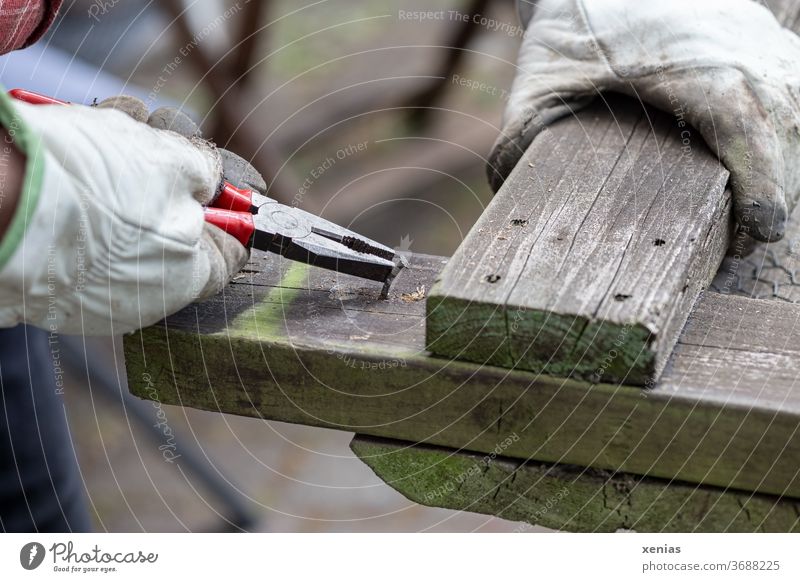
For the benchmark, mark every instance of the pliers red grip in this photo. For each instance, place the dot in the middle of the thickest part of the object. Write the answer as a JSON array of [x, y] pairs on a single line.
[[232, 210], [260, 222]]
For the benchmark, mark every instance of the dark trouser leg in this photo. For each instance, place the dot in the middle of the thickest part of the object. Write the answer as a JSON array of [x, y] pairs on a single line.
[[40, 488]]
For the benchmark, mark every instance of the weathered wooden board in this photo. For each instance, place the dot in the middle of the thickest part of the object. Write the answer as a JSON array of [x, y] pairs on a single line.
[[599, 241], [298, 344], [566, 497]]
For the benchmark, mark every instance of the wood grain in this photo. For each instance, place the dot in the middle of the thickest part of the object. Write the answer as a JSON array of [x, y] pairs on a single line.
[[566, 497], [297, 344], [599, 241]]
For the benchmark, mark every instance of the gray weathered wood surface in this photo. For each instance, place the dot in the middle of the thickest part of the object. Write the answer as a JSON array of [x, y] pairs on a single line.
[[601, 239], [566, 497], [297, 344]]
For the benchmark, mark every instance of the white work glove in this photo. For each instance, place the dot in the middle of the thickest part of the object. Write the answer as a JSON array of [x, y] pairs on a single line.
[[109, 234], [235, 169], [726, 66]]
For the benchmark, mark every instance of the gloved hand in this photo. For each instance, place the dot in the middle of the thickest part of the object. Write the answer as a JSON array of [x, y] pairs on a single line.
[[236, 169], [109, 234], [726, 66]]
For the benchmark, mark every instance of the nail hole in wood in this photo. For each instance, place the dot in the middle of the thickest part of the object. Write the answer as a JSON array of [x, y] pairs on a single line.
[[492, 278], [659, 242]]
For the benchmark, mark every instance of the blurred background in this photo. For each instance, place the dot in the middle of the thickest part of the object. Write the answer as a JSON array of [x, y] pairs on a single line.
[[371, 114]]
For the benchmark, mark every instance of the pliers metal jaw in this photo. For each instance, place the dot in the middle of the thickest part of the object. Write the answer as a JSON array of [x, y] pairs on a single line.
[[262, 223]]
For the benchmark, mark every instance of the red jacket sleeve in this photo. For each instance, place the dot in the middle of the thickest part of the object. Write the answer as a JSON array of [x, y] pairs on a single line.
[[23, 22]]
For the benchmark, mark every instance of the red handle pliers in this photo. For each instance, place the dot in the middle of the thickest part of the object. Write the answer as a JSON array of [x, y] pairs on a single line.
[[262, 223]]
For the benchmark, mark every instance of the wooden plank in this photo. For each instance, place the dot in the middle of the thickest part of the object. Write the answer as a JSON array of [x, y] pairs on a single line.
[[298, 344], [601, 239], [566, 497]]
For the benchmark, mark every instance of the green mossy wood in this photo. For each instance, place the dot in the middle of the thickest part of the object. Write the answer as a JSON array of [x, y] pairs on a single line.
[[567, 497], [298, 344]]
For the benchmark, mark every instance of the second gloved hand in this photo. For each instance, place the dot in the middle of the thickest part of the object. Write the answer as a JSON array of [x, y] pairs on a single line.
[[727, 66]]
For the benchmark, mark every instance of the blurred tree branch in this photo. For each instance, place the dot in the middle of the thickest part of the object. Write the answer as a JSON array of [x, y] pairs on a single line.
[[230, 82], [463, 34], [228, 99]]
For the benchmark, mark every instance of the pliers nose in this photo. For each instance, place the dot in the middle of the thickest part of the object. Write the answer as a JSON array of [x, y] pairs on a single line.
[[261, 223]]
